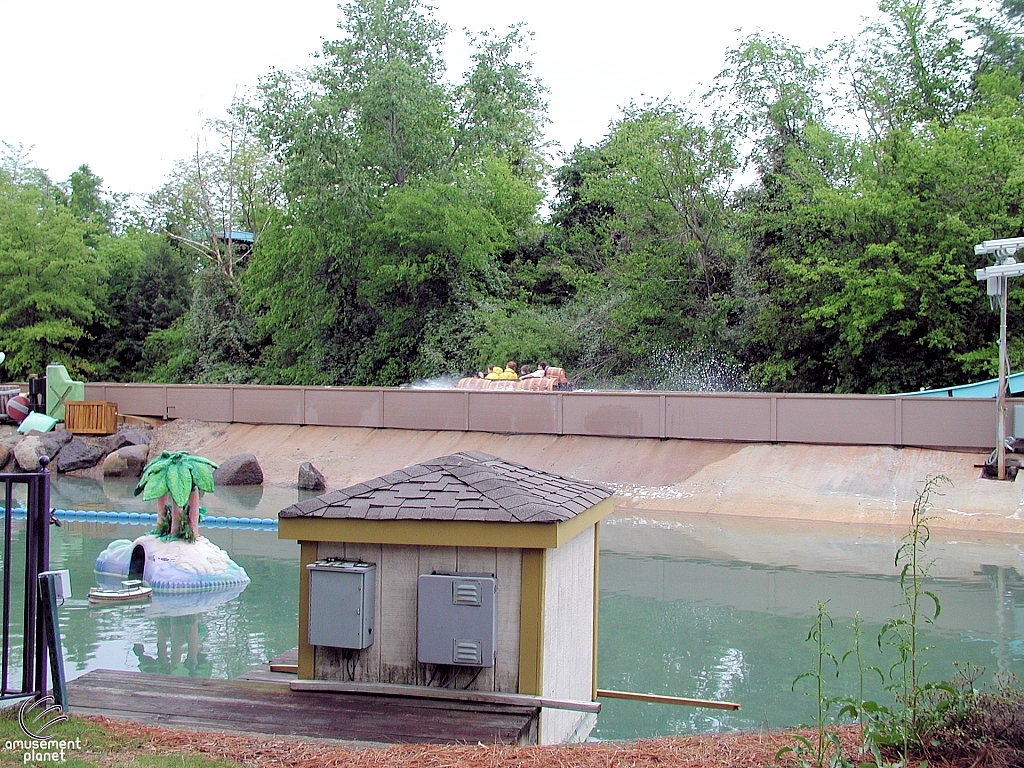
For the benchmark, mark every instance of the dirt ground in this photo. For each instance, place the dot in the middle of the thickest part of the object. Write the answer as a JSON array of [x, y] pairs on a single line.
[[732, 750]]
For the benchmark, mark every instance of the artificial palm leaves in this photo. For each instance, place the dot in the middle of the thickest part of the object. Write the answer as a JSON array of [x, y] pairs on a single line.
[[176, 473]]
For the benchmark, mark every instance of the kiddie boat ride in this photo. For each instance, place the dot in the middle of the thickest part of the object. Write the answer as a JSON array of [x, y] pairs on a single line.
[[132, 590], [554, 380]]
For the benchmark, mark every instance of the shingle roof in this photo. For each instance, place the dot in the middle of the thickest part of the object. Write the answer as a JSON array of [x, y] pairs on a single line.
[[463, 486]]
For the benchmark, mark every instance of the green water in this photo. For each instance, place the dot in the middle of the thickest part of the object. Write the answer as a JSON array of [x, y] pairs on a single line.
[[693, 607]]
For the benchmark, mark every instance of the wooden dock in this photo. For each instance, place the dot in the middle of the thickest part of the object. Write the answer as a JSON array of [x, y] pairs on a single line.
[[249, 706]]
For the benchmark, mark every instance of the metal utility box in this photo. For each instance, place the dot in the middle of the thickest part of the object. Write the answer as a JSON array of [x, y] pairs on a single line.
[[341, 598], [457, 619]]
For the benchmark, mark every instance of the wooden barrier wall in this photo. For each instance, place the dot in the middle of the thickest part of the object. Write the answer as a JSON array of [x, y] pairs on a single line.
[[739, 417]]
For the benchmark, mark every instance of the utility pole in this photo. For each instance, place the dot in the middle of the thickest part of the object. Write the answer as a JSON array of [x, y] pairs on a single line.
[[997, 280]]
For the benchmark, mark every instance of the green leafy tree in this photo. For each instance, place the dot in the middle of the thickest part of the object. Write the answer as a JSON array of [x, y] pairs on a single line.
[[50, 281], [354, 282], [148, 288], [646, 236], [913, 66], [425, 252]]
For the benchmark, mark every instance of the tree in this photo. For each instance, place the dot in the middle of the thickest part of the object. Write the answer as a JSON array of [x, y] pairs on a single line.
[[344, 287], [50, 281], [425, 253], [646, 235], [147, 289], [913, 67], [220, 193]]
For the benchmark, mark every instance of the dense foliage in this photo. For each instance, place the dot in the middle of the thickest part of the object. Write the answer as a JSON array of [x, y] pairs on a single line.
[[807, 225]]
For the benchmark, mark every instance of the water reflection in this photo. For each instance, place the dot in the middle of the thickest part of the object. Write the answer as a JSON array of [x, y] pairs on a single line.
[[178, 648], [719, 608], [118, 494]]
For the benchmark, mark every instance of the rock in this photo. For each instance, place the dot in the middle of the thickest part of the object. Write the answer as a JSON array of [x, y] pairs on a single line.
[[126, 437], [79, 454], [27, 452], [61, 435], [5, 454], [311, 478], [242, 469], [126, 462], [53, 444]]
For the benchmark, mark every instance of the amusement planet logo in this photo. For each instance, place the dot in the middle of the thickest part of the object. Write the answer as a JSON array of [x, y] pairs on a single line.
[[38, 748]]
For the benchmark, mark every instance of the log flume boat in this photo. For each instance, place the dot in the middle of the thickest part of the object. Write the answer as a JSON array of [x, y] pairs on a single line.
[[553, 381]]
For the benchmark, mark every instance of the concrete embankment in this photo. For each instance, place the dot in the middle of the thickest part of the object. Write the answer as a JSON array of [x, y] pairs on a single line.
[[849, 484]]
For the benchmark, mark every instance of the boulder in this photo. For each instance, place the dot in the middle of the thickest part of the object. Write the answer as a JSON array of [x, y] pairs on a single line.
[[5, 454], [79, 454], [128, 461], [311, 478], [27, 452], [54, 442], [242, 469], [51, 442], [61, 435], [126, 437]]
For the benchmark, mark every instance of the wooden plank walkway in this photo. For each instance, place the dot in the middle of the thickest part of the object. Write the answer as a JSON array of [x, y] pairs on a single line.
[[272, 708]]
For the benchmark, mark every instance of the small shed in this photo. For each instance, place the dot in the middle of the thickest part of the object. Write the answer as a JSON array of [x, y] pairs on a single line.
[[467, 572]]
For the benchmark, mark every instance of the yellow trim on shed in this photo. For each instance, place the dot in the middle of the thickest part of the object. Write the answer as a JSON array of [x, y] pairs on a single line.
[[531, 623], [307, 555], [597, 596]]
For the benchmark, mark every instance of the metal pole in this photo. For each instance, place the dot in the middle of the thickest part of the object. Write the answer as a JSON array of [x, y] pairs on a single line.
[[42, 512], [51, 624], [5, 662], [30, 682], [1004, 296]]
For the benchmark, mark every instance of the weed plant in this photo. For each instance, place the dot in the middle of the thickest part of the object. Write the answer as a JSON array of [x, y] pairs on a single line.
[[825, 750], [901, 726]]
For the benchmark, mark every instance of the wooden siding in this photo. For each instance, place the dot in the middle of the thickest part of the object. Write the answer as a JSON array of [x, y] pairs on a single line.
[[568, 634], [392, 656]]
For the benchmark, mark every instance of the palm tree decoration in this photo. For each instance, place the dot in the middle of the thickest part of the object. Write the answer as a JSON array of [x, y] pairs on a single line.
[[176, 478]]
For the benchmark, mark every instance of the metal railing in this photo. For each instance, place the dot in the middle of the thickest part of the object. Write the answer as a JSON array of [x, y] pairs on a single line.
[[36, 560]]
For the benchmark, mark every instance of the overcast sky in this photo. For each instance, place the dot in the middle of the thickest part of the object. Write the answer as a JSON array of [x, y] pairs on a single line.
[[124, 85]]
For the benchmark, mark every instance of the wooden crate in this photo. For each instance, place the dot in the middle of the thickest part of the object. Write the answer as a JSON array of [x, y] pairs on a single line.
[[85, 418]]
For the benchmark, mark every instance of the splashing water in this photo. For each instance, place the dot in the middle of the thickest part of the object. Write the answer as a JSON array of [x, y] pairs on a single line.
[[435, 382], [673, 370]]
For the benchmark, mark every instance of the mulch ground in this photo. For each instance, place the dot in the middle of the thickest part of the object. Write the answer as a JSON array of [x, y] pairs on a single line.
[[732, 750]]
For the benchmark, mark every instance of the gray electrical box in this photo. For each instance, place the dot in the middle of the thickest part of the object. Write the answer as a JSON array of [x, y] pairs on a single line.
[[457, 619], [341, 597]]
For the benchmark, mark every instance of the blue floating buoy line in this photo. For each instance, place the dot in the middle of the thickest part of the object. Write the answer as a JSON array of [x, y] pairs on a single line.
[[147, 518]]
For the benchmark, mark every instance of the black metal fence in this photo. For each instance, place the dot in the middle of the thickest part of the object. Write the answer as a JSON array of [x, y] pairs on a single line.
[[33, 654]]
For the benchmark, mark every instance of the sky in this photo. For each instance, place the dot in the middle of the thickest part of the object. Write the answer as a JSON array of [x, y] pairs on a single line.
[[125, 85]]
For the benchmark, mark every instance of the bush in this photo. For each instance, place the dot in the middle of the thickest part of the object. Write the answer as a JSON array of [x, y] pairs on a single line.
[[978, 728]]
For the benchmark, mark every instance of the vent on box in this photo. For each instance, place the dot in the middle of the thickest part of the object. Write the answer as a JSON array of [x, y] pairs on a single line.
[[457, 619], [469, 653], [466, 592]]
